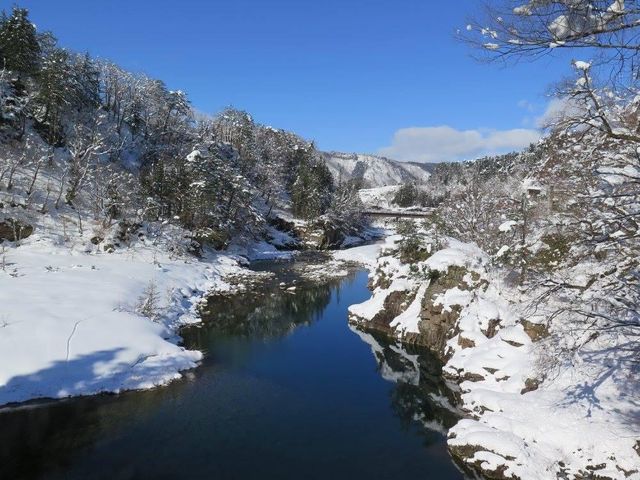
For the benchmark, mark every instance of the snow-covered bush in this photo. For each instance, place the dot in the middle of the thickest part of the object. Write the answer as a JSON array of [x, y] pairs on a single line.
[[149, 302]]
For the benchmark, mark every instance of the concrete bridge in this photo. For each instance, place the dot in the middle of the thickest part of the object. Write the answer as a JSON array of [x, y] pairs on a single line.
[[424, 213]]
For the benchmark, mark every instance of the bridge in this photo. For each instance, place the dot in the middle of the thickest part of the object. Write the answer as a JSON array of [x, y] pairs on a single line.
[[424, 213]]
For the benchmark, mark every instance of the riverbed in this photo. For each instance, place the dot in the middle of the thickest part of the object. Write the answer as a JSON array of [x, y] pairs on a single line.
[[287, 389]]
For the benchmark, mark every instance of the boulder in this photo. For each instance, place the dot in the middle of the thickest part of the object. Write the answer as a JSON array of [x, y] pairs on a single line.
[[530, 384], [97, 240], [14, 230], [323, 234], [466, 458], [492, 329], [536, 331]]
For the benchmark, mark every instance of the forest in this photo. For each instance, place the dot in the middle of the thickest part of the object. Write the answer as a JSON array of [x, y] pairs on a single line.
[[85, 136]]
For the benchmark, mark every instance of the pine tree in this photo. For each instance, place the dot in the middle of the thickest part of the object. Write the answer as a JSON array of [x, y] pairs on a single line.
[[406, 196], [346, 208], [55, 87], [19, 45], [312, 190], [85, 82]]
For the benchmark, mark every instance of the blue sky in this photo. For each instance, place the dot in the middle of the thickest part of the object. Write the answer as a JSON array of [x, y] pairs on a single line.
[[354, 75]]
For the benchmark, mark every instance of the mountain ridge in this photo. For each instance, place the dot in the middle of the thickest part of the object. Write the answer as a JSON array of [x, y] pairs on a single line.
[[375, 170]]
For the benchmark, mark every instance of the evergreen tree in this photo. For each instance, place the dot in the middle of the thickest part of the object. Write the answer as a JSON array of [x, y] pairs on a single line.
[[55, 87], [19, 42], [85, 82], [237, 128], [346, 208], [312, 190], [406, 196]]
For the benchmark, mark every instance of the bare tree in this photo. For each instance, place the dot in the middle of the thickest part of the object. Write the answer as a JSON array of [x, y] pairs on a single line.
[[86, 145], [112, 192], [595, 161], [608, 29]]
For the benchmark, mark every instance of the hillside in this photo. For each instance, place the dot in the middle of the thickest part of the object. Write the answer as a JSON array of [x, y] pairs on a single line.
[[116, 196], [525, 284], [373, 170]]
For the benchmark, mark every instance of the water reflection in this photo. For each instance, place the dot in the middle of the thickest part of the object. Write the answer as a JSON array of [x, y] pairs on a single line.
[[37, 440], [269, 311], [420, 394], [286, 391]]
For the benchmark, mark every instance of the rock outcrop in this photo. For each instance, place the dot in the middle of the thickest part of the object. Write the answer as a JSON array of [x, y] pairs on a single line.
[[438, 324], [14, 230]]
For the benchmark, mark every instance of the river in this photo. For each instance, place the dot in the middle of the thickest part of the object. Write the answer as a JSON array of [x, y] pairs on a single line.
[[286, 390]]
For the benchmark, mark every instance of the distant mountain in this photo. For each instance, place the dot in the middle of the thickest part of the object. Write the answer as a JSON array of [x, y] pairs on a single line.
[[375, 171]]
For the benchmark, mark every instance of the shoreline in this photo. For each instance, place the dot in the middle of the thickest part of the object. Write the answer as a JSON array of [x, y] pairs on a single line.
[[107, 347], [128, 363], [468, 318]]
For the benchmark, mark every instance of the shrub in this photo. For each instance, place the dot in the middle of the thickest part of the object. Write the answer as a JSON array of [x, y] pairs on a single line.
[[149, 302]]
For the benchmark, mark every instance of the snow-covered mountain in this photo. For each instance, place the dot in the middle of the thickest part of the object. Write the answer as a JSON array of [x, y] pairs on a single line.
[[375, 171]]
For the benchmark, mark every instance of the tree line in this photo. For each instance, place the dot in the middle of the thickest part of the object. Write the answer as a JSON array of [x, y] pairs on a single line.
[[124, 145]]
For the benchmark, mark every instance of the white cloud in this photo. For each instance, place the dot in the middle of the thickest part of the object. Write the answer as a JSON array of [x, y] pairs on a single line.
[[443, 143], [558, 108], [555, 109], [527, 105]]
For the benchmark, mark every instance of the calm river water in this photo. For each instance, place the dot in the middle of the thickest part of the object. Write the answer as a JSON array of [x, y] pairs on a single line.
[[287, 390]]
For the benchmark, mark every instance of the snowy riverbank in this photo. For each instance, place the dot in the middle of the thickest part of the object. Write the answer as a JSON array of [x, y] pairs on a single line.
[[578, 421], [88, 314], [70, 321]]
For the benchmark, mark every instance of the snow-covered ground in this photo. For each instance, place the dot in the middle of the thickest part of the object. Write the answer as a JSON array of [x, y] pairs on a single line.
[[367, 255], [69, 323], [379, 197], [522, 422]]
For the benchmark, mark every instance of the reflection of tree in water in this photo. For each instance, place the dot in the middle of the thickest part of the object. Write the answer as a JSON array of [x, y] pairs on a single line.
[[44, 439], [265, 313], [27, 438], [66, 439], [420, 393]]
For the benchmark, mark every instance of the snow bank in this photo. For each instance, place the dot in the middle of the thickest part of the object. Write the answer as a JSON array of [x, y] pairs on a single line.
[[68, 324], [367, 255], [523, 422]]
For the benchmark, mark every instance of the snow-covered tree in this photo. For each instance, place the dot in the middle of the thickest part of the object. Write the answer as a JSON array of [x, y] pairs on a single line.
[[19, 47], [54, 91], [345, 211], [312, 189], [605, 29], [590, 160]]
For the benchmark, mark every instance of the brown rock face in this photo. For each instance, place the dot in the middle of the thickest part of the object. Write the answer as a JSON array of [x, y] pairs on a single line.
[[492, 329], [536, 331], [465, 342], [332, 236], [438, 325], [394, 305], [319, 235], [14, 230]]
